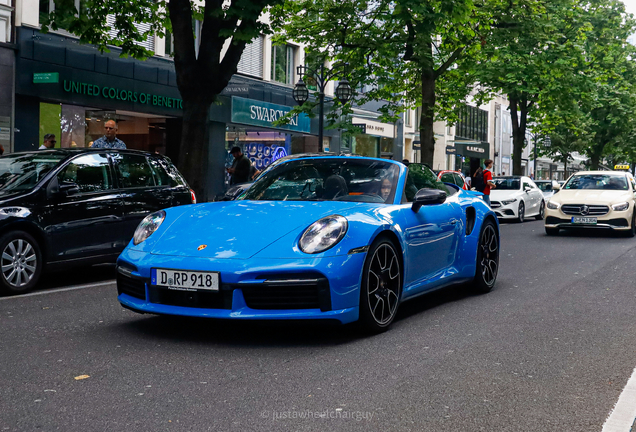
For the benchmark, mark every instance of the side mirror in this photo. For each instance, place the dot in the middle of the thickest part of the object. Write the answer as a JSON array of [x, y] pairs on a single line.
[[427, 196], [69, 188], [527, 189], [556, 187]]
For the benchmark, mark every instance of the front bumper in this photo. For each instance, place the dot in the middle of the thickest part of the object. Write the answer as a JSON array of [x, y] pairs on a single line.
[[270, 289], [614, 220], [508, 211]]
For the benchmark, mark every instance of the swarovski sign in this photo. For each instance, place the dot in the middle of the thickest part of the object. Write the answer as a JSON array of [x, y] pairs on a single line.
[[258, 113]]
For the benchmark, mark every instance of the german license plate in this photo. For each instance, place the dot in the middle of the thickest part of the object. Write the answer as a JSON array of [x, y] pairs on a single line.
[[584, 220], [184, 280]]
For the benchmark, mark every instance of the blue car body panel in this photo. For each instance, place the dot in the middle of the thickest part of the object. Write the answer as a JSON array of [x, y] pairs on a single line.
[[251, 243]]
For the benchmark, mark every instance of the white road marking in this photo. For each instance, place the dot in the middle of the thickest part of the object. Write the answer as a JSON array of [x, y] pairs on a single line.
[[72, 288], [622, 416]]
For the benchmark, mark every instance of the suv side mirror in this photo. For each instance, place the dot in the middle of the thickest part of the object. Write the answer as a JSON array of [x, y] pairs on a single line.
[[55, 189], [69, 188], [556, 187], [427, 196]]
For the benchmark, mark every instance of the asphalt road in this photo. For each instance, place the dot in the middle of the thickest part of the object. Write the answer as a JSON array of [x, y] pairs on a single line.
[[549, 349]]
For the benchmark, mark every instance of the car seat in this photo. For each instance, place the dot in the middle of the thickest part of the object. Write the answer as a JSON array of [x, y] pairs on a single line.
[[335, 186]]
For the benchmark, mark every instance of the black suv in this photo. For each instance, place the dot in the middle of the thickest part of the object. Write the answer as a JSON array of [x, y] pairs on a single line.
[[69, 207]]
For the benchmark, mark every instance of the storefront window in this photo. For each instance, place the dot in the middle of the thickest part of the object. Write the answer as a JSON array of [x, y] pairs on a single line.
[[365, 145], [261, 147], [50, 115], [386, 147], [79, 126]]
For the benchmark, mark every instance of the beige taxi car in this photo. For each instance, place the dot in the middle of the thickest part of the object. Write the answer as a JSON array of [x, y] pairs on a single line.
[[593, 199]]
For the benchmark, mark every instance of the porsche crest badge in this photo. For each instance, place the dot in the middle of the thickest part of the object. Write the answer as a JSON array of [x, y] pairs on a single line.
[[202, 247]]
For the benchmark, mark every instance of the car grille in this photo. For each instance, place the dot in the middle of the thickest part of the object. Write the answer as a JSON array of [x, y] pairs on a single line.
[[132, 287], [578, 209], [289, 294], [495, 204], [195, 299]]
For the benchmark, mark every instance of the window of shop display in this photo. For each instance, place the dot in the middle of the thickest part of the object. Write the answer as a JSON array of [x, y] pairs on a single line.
[[79, 126], [262, 147], [372, 146], [365, 145]]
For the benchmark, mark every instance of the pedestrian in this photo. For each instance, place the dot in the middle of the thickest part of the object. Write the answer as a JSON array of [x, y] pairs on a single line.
[[468, 179], [488, 184], [531, 176], [1, 149], [254, 172], [503, 173], [49, 142], [109, 140], [240, 169]]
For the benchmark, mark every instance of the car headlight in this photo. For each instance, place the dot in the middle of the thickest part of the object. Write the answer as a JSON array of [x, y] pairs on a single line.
[[323, 234], [508, 201], [620, 207], [147, 226], [553, 206]]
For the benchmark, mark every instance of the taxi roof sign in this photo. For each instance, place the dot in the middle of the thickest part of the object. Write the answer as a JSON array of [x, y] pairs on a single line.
[[621, 167]]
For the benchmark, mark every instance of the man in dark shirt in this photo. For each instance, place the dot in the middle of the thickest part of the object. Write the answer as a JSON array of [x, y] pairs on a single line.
[[240, 169]]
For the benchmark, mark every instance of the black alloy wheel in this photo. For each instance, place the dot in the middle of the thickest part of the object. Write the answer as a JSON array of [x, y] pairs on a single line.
[[381, 288], [21, 262], [487, 258], [541, 214], [522, 212]]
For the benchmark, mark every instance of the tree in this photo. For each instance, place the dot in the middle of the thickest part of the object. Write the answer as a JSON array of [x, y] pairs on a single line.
[[402, 52], [532, 61], [611, 75], [227, 26]]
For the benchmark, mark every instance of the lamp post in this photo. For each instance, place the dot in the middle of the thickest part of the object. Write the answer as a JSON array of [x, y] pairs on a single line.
[[322, 77]]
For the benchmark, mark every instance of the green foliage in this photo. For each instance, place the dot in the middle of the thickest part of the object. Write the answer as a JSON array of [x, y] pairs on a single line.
[[400, 52]]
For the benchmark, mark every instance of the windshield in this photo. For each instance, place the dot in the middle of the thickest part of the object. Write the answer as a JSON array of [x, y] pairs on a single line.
[[597, 181], [327, 179], [544, 186], [503, 183], [22, 172]]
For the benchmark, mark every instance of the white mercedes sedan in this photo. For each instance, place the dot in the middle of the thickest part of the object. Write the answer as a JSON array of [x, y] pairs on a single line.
[[593, 199], [516, 197]]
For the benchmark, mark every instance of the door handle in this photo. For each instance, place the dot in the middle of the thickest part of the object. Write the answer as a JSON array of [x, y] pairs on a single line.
[[453, 221]]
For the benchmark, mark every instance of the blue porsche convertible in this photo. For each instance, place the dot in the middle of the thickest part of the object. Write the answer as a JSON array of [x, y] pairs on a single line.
[[343, 238]]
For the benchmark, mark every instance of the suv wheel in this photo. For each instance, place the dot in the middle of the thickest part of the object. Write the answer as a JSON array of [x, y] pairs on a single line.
[[20, 262]]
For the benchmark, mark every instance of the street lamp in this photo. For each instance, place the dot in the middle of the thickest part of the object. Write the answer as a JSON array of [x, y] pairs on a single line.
[[322, 77]]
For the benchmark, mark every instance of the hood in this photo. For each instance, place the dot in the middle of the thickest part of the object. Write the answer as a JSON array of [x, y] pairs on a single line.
[[239, 229], [6, 196], [499, 195], [591, 196]]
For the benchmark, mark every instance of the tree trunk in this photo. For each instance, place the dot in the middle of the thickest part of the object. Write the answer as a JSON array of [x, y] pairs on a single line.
[[193, 153], [595, 159], [518, 132], [427, 118]]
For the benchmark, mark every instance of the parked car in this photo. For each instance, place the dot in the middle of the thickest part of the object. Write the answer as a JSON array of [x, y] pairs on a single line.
[[594, 199], [517, 197], [326, 237], [233, 192], [454, 177], [548, 187], [69, 207]]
